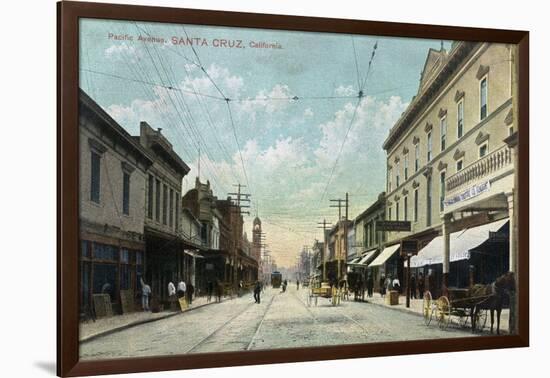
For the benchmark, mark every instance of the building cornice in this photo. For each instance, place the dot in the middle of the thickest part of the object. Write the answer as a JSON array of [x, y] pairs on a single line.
[[422, 100]]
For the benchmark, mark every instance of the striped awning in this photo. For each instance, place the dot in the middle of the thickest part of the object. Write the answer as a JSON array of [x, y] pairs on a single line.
[[385, 255]]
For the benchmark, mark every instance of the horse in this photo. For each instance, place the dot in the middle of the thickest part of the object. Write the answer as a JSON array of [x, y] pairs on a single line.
[[493, 294]]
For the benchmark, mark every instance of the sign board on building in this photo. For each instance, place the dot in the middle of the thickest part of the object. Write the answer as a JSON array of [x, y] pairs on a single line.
[[409, 247], [471, 192], [393, 225]]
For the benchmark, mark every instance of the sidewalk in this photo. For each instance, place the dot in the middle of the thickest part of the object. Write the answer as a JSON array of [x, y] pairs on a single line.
[[104, 326], [416, 308]]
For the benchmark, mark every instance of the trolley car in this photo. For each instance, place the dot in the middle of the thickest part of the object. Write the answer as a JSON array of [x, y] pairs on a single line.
[[276, 279]]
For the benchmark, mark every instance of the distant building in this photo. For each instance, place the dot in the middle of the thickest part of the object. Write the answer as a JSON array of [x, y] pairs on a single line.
[[113, 175], [369, 244]]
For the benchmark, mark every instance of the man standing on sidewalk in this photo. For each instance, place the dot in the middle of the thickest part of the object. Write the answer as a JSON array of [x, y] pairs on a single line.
[[257, 291], [181, 289], [145, 294]]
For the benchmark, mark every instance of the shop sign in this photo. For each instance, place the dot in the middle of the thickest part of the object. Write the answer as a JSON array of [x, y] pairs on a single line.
[[474, 191], [393, 225]]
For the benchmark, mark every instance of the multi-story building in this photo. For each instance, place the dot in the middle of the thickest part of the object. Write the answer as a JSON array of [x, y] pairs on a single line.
[[165, 255], [335, 264], [450, 170], [369, 244], [113, 175]]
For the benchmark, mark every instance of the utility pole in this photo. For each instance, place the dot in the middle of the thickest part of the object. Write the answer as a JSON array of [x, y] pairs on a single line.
[[237, 239], [345, 203], [325, 246]]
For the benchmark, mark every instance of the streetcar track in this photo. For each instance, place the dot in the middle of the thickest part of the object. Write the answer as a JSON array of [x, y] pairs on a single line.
[[260, 324], [201, 342]]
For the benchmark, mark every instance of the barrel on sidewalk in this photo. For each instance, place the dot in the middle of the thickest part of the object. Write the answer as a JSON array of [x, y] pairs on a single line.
[[392, 298]]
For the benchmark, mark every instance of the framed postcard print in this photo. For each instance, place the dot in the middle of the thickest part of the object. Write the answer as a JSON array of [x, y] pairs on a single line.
[[242, 188]]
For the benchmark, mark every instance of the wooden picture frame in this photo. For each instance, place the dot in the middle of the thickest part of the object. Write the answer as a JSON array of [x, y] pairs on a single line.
[[69, 13]]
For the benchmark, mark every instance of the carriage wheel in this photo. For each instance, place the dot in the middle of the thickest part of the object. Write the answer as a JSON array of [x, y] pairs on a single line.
[[443, 312], [427, 308], [481, 320], [464, 319]]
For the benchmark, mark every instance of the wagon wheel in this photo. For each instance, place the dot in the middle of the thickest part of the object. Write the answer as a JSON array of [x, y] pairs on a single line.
[[427, 310], [443, 312], [481, 320], [464, 319]]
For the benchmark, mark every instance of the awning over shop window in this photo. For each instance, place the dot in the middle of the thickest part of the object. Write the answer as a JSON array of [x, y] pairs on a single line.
[[385, 255], [354, 261], [461, 243], [367, 257]]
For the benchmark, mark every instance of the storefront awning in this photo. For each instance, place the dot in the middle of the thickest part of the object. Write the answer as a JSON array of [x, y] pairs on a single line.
[[354, 261], [385, 255], [367, 257], [461, 243]]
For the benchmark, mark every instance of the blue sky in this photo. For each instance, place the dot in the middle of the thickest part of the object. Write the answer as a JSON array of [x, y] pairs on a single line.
[[293, 154]]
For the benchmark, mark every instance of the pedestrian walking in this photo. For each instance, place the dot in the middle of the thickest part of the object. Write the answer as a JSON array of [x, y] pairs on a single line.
[[413, 287], [209, 291], [190, 291], [171, 293], [219, 291], [181, 289], [257, 291], [396, 284], [388, 284], [421, 285], [240, 288], [297, 284], [370, 286], [145, 294], [382, 284]]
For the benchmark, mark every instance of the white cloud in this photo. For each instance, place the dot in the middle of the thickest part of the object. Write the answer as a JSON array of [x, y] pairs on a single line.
[[345, 91], [123, 52]]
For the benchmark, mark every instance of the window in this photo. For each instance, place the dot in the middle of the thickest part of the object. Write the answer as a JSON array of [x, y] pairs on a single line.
[[157, 200], [416, 157], [390, 171], [510, 130], [96, 177], [164, 204], [460, 119], [389, 213], [171, 217], [442, 191], [443, 132], [429, 154], [105, 252], [415, 205], [204, 233], [406, 166], [459, 165], [483, 150], [429, 201], [397, 174], [126, 193], [176, 221], [483, 98], [150, 197], [405, 209], [397, 210]]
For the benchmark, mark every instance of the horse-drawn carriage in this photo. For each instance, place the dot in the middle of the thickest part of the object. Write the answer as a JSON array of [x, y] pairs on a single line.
[[458, 304], [469, 305], [324, 290]]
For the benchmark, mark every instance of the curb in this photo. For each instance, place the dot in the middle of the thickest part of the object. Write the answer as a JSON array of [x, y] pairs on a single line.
[[140, 322], [404, 310]]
